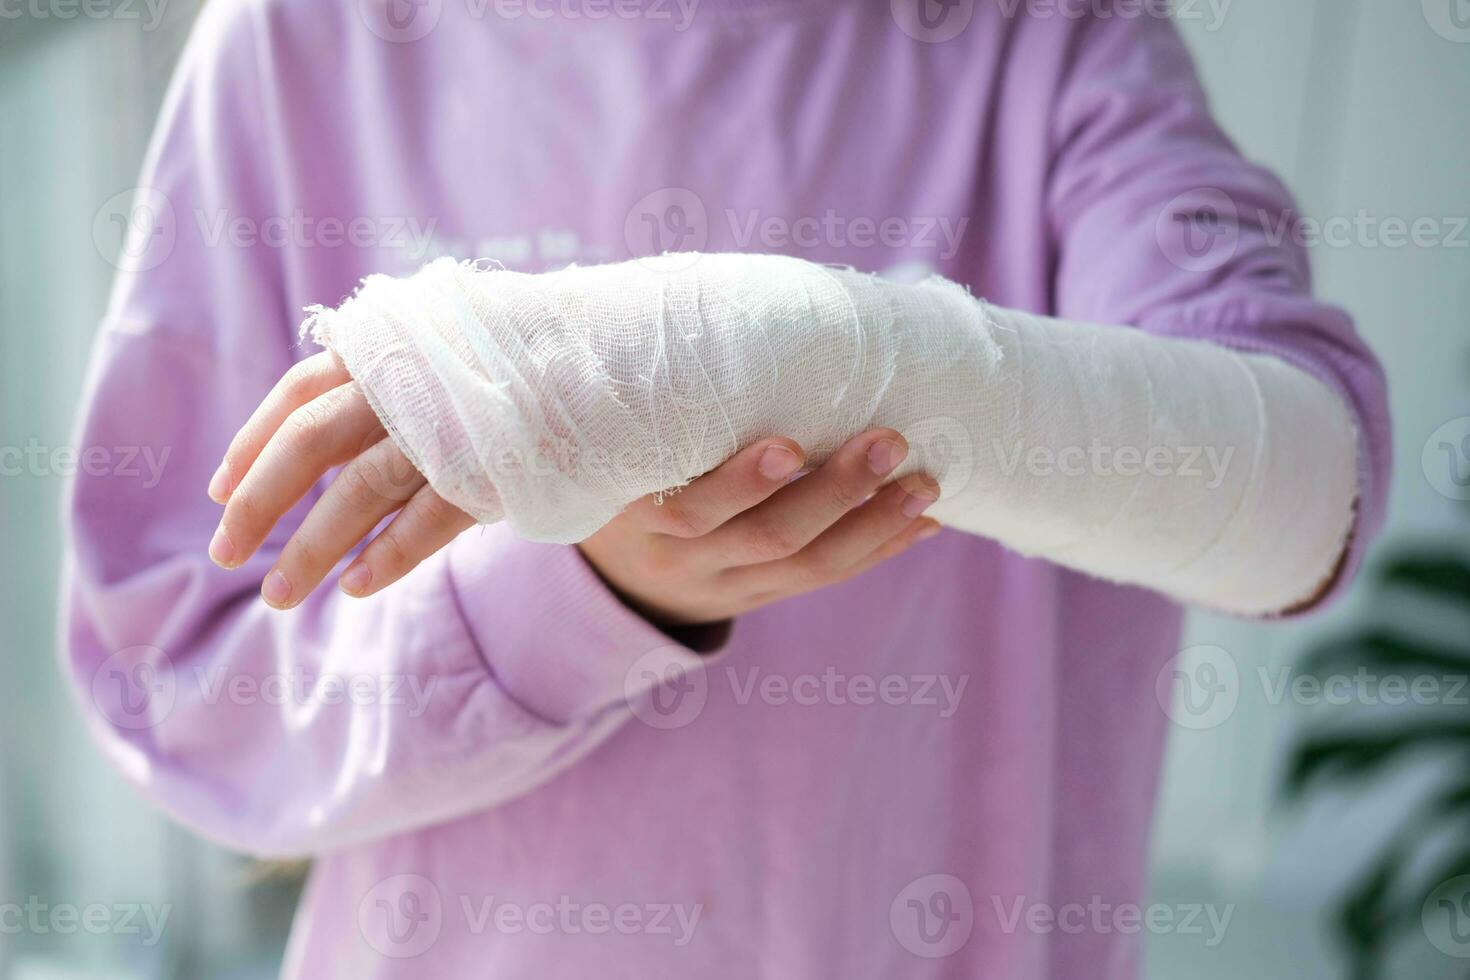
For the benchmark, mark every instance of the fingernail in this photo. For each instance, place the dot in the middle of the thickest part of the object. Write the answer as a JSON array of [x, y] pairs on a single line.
[[357, 578], [222, 549], [885, 455], [276, 588], [926, 532], [915, 502], [778, 462], [219, 484]]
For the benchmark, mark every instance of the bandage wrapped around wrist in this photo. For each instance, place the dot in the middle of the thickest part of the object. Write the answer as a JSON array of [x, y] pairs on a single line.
[[554, 400]]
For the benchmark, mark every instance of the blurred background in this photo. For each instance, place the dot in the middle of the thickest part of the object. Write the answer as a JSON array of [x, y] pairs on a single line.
[[1363, 106]]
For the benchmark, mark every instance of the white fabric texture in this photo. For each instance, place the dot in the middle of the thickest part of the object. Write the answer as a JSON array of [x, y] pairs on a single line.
[[554, 400]]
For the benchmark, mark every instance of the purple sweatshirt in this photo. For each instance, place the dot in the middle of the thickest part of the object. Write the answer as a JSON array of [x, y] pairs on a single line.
[[502, 771]]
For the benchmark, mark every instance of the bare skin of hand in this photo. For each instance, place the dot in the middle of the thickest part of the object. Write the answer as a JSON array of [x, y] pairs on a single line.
[[313, 420], [739, 537], [745, 535]]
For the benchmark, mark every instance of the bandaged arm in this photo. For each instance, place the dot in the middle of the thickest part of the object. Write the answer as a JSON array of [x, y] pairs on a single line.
[[552, 401]]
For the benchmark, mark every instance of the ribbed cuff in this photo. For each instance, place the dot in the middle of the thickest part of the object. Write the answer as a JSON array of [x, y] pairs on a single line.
[[554, 635]]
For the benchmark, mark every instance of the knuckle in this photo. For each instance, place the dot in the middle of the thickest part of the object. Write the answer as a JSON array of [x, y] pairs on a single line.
[[304, 431], [305, 377], [770, 542], [299, 381], [847, 494], [811, 571], [297, 375], [244, 510], [682, 521], [393, 476], [358, 486], [392, 555], [436, 511], [240, 449], [302, 554]]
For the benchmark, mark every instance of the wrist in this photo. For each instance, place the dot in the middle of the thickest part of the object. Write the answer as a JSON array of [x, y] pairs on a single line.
[[697, 634]]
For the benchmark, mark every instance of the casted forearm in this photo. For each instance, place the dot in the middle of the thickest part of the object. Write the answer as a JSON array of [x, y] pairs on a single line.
[[554, 400]]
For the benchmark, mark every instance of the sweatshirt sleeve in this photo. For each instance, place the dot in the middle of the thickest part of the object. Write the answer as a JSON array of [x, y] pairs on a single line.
[[1159, 223], [492, 667]]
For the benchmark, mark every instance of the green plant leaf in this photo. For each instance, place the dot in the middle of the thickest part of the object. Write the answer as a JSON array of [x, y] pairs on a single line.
[[1380, 906], [1365, 917], [1441, 573], [1376, 908], [1355, 755], [1385, 650]]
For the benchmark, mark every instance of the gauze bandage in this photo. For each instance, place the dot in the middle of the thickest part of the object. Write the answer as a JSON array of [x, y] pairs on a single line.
[[552, 401]]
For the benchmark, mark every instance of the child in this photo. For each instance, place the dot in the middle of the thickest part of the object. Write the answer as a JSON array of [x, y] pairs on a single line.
[[873, 769]]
